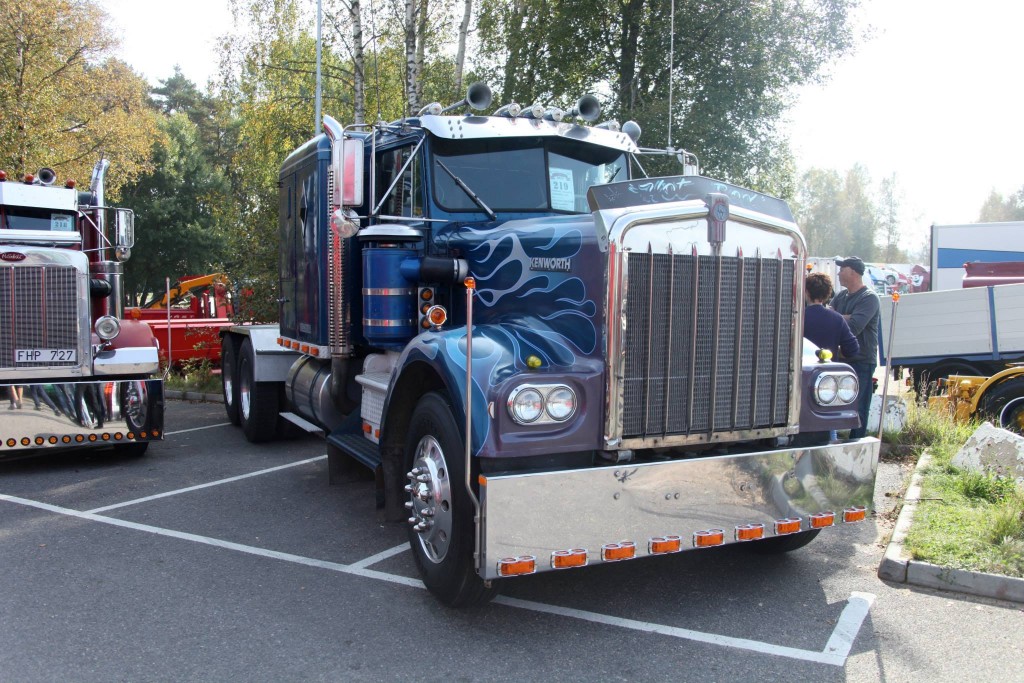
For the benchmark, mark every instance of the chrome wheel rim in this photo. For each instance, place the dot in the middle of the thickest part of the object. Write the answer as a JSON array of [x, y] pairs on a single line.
[[228, 383], [430, 499], [134, 406]]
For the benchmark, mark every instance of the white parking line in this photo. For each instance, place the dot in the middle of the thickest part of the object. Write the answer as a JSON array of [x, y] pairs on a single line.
[[836, 650], [196, 429], [204, 486]]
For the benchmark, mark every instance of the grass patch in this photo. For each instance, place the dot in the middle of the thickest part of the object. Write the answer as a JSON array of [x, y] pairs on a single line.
[[194, 375], [965, 520]]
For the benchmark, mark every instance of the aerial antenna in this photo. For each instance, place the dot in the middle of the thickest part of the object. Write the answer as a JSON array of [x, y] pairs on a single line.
[[671, 63]]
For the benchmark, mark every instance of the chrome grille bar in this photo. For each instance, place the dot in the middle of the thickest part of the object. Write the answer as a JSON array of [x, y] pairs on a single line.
[[734, 330], [39, 307]]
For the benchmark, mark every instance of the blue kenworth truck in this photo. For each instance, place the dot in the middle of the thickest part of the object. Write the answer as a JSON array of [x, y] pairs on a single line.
[[549, 359]]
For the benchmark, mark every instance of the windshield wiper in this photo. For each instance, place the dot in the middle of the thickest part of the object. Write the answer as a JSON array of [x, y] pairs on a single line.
[[469, 193]]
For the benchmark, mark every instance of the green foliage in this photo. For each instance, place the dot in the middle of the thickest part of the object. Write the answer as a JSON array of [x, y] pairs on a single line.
[[65, 101], [736, 65], [839, 215], [998, 208], [964, 520], [180, 212], [985, 487]]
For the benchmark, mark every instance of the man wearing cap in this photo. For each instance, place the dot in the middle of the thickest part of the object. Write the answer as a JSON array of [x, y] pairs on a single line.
[[859, 305]]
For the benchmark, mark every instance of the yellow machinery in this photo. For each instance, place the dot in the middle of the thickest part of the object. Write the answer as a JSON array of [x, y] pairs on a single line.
[[999, 398]]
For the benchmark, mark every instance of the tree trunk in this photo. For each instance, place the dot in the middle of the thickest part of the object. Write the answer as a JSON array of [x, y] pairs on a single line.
[[460, 57], [411, 103], [421, 48], [632, 15], [358, 63]]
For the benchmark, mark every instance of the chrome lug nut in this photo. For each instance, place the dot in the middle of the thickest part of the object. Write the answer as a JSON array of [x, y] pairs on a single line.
[[413, 520], [424, 478], [408, 488], [408, 505], [426, 512]]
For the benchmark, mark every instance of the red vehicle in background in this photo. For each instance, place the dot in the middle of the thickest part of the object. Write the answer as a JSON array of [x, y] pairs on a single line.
[[188, 318]]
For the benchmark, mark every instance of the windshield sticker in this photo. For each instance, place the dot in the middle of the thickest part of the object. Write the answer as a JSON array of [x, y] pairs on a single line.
[[562, 196], [60, 221]]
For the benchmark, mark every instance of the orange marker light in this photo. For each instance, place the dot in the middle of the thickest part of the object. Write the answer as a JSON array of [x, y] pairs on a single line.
[[26, 441], [568, 559], [749, 532], [895, 296], [857, 513], [12, 443], [437, 316], [304, 348], [106, 436], [820, 520], [709, 538], [52, 439], [517, 566], [79, 438], [427, 295], [659, 545], [623, 550], [40, 441], [118, 436], [470, 283], [92, 437], [787, 526], [65, 439]]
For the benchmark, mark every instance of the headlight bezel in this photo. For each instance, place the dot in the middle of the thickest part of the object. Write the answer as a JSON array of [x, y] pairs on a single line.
[[828, 388], [107, 327], [548, 393]]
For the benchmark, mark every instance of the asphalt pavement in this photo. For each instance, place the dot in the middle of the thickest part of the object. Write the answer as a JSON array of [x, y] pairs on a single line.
[[214, 559]]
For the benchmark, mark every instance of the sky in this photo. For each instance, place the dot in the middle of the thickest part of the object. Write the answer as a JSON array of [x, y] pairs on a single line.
[[931, 95]]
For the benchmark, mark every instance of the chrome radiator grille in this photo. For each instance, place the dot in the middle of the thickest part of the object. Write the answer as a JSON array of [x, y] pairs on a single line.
[[708, 344], [38, 310]]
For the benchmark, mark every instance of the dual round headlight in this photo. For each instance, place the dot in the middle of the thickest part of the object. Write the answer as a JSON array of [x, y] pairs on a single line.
[[836, 388], [537, 404]]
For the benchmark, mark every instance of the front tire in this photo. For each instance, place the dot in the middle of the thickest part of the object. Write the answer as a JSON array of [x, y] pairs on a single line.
[[1004, 404], [441, 529], [258, 402]]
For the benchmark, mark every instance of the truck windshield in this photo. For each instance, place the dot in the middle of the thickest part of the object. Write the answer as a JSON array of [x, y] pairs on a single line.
[[25, 218], [523, 174]]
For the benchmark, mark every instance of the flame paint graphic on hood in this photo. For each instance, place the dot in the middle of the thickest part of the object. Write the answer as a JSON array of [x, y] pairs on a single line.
[[550, 315]]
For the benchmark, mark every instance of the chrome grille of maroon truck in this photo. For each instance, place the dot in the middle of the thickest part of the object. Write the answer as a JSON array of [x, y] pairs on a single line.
[[38, 305], [708, 344]]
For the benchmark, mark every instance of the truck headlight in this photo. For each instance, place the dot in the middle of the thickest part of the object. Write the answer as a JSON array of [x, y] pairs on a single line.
[[560, 403], [526, 405], [541, 403], [826, 388], [107, 327], [848, 388], [836, 388]]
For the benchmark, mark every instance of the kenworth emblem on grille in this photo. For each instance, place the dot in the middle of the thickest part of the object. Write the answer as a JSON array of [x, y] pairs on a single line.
[[557, 265], [12, 256]]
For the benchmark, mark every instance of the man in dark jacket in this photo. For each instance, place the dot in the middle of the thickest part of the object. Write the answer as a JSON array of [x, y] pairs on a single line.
[[860, 306]]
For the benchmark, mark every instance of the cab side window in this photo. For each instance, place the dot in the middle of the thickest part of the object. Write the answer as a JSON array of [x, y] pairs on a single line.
[[406, 197]]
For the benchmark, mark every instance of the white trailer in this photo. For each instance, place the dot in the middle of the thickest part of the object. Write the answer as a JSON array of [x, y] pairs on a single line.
[[955, 245], [974, 331]]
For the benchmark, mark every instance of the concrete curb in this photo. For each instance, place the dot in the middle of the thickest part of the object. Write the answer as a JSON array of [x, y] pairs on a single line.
[[899, 568], [193, 396]]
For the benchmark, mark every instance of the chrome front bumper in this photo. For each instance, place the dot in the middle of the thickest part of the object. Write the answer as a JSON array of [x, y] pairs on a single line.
[[86, 413], [541, 514]]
